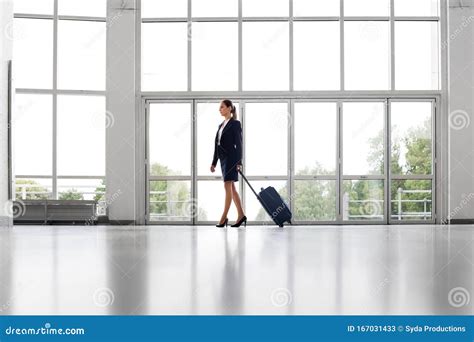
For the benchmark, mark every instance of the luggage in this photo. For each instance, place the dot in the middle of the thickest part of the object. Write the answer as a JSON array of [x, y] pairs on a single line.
[[272, 203]]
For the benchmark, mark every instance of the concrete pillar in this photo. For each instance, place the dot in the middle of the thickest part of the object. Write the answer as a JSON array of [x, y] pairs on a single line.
[[121, 102], [461, 110], [6, 48]]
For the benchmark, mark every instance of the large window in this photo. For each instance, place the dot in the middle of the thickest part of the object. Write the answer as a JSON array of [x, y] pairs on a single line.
[[329, 159], [313, 45], [411, 156], [60, 117], [336, 100]]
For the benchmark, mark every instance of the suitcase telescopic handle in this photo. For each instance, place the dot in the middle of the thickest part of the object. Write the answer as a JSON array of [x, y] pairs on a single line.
[[247, 181]]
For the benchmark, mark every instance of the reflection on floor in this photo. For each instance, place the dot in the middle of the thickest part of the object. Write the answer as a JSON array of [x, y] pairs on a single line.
[[255, 270]]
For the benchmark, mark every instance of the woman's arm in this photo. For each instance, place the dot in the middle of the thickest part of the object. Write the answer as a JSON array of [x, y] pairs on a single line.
[[238, 141], [214, 157]]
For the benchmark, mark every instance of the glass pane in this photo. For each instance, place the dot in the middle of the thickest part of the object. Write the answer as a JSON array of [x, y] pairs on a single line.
[[411, 138], [215, 8], [416, 8], [363, 200], [211, 195], [81, 189], [411, 199], [367, 55], [33, 53], [265, 56], [315, 126], [366, 8], [170, 139], [416, 55], [32, 189], [253, 208], [266, 139], [80, 117], [91, 8], [164, 8], [81, 55], [315, 200], [164, 56], [208, 119], [32, 124], [363, 138], [265, 8], [316, 8], [33, 6], [316, 55], [170, 201], [212, 68]]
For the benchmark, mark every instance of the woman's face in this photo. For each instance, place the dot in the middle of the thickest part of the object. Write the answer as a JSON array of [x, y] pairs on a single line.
[[224, 110]]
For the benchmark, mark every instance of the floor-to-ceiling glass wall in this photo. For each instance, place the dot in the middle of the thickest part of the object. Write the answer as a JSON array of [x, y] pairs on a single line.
[[333, 161], [59, 120], [363, 160], [412, 153], [334, 98]]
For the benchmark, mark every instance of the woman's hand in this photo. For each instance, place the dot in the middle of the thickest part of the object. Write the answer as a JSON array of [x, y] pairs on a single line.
[[213, 168], [239, 167]]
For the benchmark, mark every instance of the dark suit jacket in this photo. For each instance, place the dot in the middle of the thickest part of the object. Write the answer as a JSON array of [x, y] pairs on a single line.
[[231, 142]]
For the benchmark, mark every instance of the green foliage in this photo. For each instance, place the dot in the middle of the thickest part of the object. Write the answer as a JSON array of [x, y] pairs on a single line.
[[417, 142], [315, 200], [100, 192], [170, 199], [34, 190], [71, 194]]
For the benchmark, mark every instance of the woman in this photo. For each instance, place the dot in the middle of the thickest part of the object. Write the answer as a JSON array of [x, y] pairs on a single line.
[[228, 149]]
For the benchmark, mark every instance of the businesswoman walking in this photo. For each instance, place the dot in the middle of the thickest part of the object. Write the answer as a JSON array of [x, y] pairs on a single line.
[[228, 149]]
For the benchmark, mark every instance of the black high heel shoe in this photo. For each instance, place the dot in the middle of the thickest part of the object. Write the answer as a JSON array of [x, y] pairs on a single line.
[[242, 220], [223, 224]]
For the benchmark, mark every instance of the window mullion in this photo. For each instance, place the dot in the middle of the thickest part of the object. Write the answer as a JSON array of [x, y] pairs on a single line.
[[55, 100]]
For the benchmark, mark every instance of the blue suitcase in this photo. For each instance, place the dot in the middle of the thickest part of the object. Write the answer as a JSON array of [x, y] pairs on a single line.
[[273, 204]]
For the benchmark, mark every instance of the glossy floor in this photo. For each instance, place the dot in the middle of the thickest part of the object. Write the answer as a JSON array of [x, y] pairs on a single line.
[[254, 270]]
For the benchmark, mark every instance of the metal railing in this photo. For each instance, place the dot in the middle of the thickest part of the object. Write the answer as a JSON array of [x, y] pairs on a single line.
[[22, 192], [171, 206], [373, 209]]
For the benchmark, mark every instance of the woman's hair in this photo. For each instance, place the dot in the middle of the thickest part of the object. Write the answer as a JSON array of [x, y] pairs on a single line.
[[229, 103]]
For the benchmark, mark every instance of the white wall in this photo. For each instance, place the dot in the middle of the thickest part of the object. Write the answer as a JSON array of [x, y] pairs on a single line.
[[461, 109], [6, 18]]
